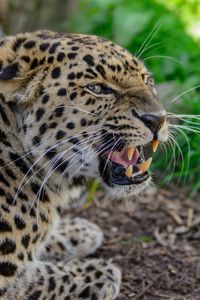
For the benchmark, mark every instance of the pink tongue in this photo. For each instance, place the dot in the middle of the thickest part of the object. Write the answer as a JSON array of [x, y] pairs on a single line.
[[122, 157]]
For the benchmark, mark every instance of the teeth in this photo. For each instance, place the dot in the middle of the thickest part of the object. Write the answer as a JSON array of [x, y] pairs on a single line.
[[130, 152], [129, 171], [154, 145], [145, 165]]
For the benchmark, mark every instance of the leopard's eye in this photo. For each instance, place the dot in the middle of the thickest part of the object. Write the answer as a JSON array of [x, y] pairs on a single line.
[[95, 88], [99, 89]]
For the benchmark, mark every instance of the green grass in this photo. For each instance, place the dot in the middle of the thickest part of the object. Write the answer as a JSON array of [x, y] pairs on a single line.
[[93, 188]]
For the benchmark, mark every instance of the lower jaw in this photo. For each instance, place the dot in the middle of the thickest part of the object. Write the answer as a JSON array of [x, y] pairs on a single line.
[[112, 177]]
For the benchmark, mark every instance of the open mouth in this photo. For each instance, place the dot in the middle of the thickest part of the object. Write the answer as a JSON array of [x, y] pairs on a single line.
[[127, 166]]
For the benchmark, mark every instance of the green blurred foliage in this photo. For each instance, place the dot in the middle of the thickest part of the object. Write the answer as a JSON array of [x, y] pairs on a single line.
[[188, 12], [159, 32], [129, 23]]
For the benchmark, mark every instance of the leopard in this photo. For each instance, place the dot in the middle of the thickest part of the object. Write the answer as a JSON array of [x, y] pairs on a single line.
[[73, 108]]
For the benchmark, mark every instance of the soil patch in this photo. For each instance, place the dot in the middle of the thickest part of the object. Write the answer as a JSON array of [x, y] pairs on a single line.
[[155, 241]]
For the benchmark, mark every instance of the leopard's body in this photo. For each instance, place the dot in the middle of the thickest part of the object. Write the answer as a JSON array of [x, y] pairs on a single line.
[[63, 96]]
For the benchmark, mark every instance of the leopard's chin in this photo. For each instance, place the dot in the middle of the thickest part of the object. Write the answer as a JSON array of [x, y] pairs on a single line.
[[126, 192]]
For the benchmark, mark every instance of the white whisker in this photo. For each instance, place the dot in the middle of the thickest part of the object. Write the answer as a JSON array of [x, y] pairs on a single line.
[[185, 92], [149, 47], [149, 38], [188, 128], [164, 56]]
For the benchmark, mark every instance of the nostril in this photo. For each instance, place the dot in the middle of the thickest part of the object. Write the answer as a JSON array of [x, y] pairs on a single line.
[[154, 123]]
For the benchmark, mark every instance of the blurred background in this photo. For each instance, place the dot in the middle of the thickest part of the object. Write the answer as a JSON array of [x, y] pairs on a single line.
[[164, 34]]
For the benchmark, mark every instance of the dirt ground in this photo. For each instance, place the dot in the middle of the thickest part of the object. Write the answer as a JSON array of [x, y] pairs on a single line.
[[155, 241]]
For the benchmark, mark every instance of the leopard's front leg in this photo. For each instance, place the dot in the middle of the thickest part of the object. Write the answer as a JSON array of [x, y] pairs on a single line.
[[74, 237], [93, 279]]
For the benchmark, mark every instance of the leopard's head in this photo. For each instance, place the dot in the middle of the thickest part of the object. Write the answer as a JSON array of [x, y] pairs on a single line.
[[85, 107]]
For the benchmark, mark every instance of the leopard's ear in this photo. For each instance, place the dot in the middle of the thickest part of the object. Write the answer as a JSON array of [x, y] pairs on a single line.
[[21, 67]]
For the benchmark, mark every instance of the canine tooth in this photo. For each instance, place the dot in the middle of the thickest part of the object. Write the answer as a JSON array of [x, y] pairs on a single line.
[[154, 145], [130, 152], [145, 165], [129, 171]]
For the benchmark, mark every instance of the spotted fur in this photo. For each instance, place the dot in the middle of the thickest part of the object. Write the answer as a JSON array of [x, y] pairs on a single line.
[[63, 96]]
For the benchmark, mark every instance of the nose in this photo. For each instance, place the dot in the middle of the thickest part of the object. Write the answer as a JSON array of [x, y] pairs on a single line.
[[154, 123]]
